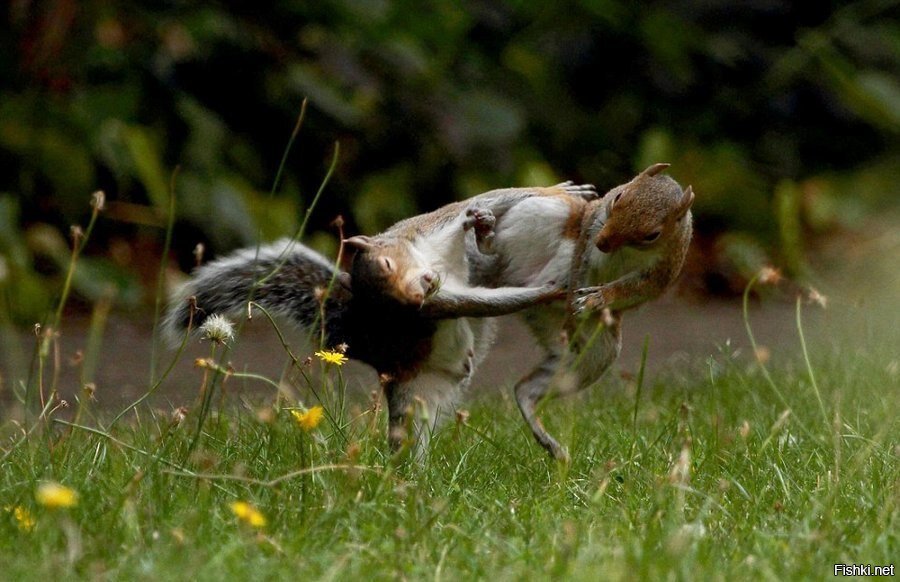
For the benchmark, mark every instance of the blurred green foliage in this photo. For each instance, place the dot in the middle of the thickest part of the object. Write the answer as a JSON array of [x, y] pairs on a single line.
[[783, 116]]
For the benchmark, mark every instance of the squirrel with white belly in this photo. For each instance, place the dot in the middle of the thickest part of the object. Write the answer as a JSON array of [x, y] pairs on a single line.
[[405, 307], [629, 246]]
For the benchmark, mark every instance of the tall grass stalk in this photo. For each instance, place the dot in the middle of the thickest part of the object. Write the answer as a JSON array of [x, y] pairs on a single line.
[[806, 361], [161, 276]]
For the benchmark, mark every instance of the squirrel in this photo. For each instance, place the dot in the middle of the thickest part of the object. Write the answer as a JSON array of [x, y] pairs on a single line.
[[635, 238], [405, 307]]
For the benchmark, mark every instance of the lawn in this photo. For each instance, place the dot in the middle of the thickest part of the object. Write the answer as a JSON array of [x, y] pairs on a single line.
[[720, 469]]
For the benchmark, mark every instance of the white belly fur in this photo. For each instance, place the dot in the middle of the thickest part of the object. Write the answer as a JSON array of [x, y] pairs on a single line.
[[529, 237]]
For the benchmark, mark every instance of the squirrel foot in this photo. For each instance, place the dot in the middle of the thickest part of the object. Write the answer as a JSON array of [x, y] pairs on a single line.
[[482, 221]]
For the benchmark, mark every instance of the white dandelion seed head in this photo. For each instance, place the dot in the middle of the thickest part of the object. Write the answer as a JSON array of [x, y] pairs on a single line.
[[217, 328], [98, 200]]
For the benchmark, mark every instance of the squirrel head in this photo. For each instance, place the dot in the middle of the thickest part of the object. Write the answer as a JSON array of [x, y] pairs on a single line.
[[390, 268], [644, 212]]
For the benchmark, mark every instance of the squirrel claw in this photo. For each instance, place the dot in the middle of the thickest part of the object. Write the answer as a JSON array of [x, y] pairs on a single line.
[[586, 192], [587, 303]]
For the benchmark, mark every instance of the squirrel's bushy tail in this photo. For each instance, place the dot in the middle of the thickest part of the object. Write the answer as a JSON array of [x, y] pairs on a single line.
[[225, 286]]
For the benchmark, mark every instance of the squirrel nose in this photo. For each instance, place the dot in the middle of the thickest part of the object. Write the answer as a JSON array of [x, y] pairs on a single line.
[[430, 281]]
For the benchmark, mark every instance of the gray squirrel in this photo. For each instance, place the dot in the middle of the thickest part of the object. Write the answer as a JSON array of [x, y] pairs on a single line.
[[633, 240], [406, 306]]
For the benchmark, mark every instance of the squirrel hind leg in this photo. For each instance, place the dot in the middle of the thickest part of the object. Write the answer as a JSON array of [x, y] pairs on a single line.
[[530, 391]]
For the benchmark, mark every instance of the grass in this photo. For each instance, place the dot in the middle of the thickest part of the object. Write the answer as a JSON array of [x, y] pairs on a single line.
[[693, 475]]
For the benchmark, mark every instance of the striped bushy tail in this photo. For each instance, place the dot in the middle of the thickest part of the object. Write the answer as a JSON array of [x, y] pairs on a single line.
[[226, 285]]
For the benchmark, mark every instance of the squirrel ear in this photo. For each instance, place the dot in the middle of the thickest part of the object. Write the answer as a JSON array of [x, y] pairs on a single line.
[[359, 242], [687, 199], [654, 169]]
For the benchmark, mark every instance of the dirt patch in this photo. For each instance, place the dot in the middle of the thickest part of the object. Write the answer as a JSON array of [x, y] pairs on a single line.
[[683, 334]]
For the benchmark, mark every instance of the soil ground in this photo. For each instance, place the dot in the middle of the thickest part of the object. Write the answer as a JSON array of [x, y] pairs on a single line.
[[683, 334]]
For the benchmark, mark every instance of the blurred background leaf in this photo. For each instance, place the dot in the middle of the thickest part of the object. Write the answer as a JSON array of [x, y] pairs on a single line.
[[785, 121]]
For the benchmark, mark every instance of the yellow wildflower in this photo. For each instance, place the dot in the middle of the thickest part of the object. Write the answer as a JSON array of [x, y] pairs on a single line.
[[23, 517], [310, 419], [54, 495], [332, 357], [248, 514]]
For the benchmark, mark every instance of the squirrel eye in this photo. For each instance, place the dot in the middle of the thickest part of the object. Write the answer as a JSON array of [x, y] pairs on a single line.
[[387, 264], [652, 236]]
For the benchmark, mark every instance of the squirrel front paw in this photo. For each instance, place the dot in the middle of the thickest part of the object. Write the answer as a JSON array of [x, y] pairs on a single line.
[[482, 221], [586, 192], [588, 299]]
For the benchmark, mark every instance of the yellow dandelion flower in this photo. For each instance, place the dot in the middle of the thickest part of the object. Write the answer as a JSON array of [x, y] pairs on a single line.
[[331, 357], [248, 514], [54, 495], [310, 419], [23, 518]]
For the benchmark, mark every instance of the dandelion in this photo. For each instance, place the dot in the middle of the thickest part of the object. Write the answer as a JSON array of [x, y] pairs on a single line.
[[310, 419], [332, 357], [217, 328], [23, 517], [56, 496], [76, 233], [98, 200], [248, 514], [769, 276], [818, 298], [204, 363]]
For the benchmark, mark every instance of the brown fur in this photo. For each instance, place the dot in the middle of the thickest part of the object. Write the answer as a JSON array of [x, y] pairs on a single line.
[[641, 212], [382, 266], [577, 208]]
